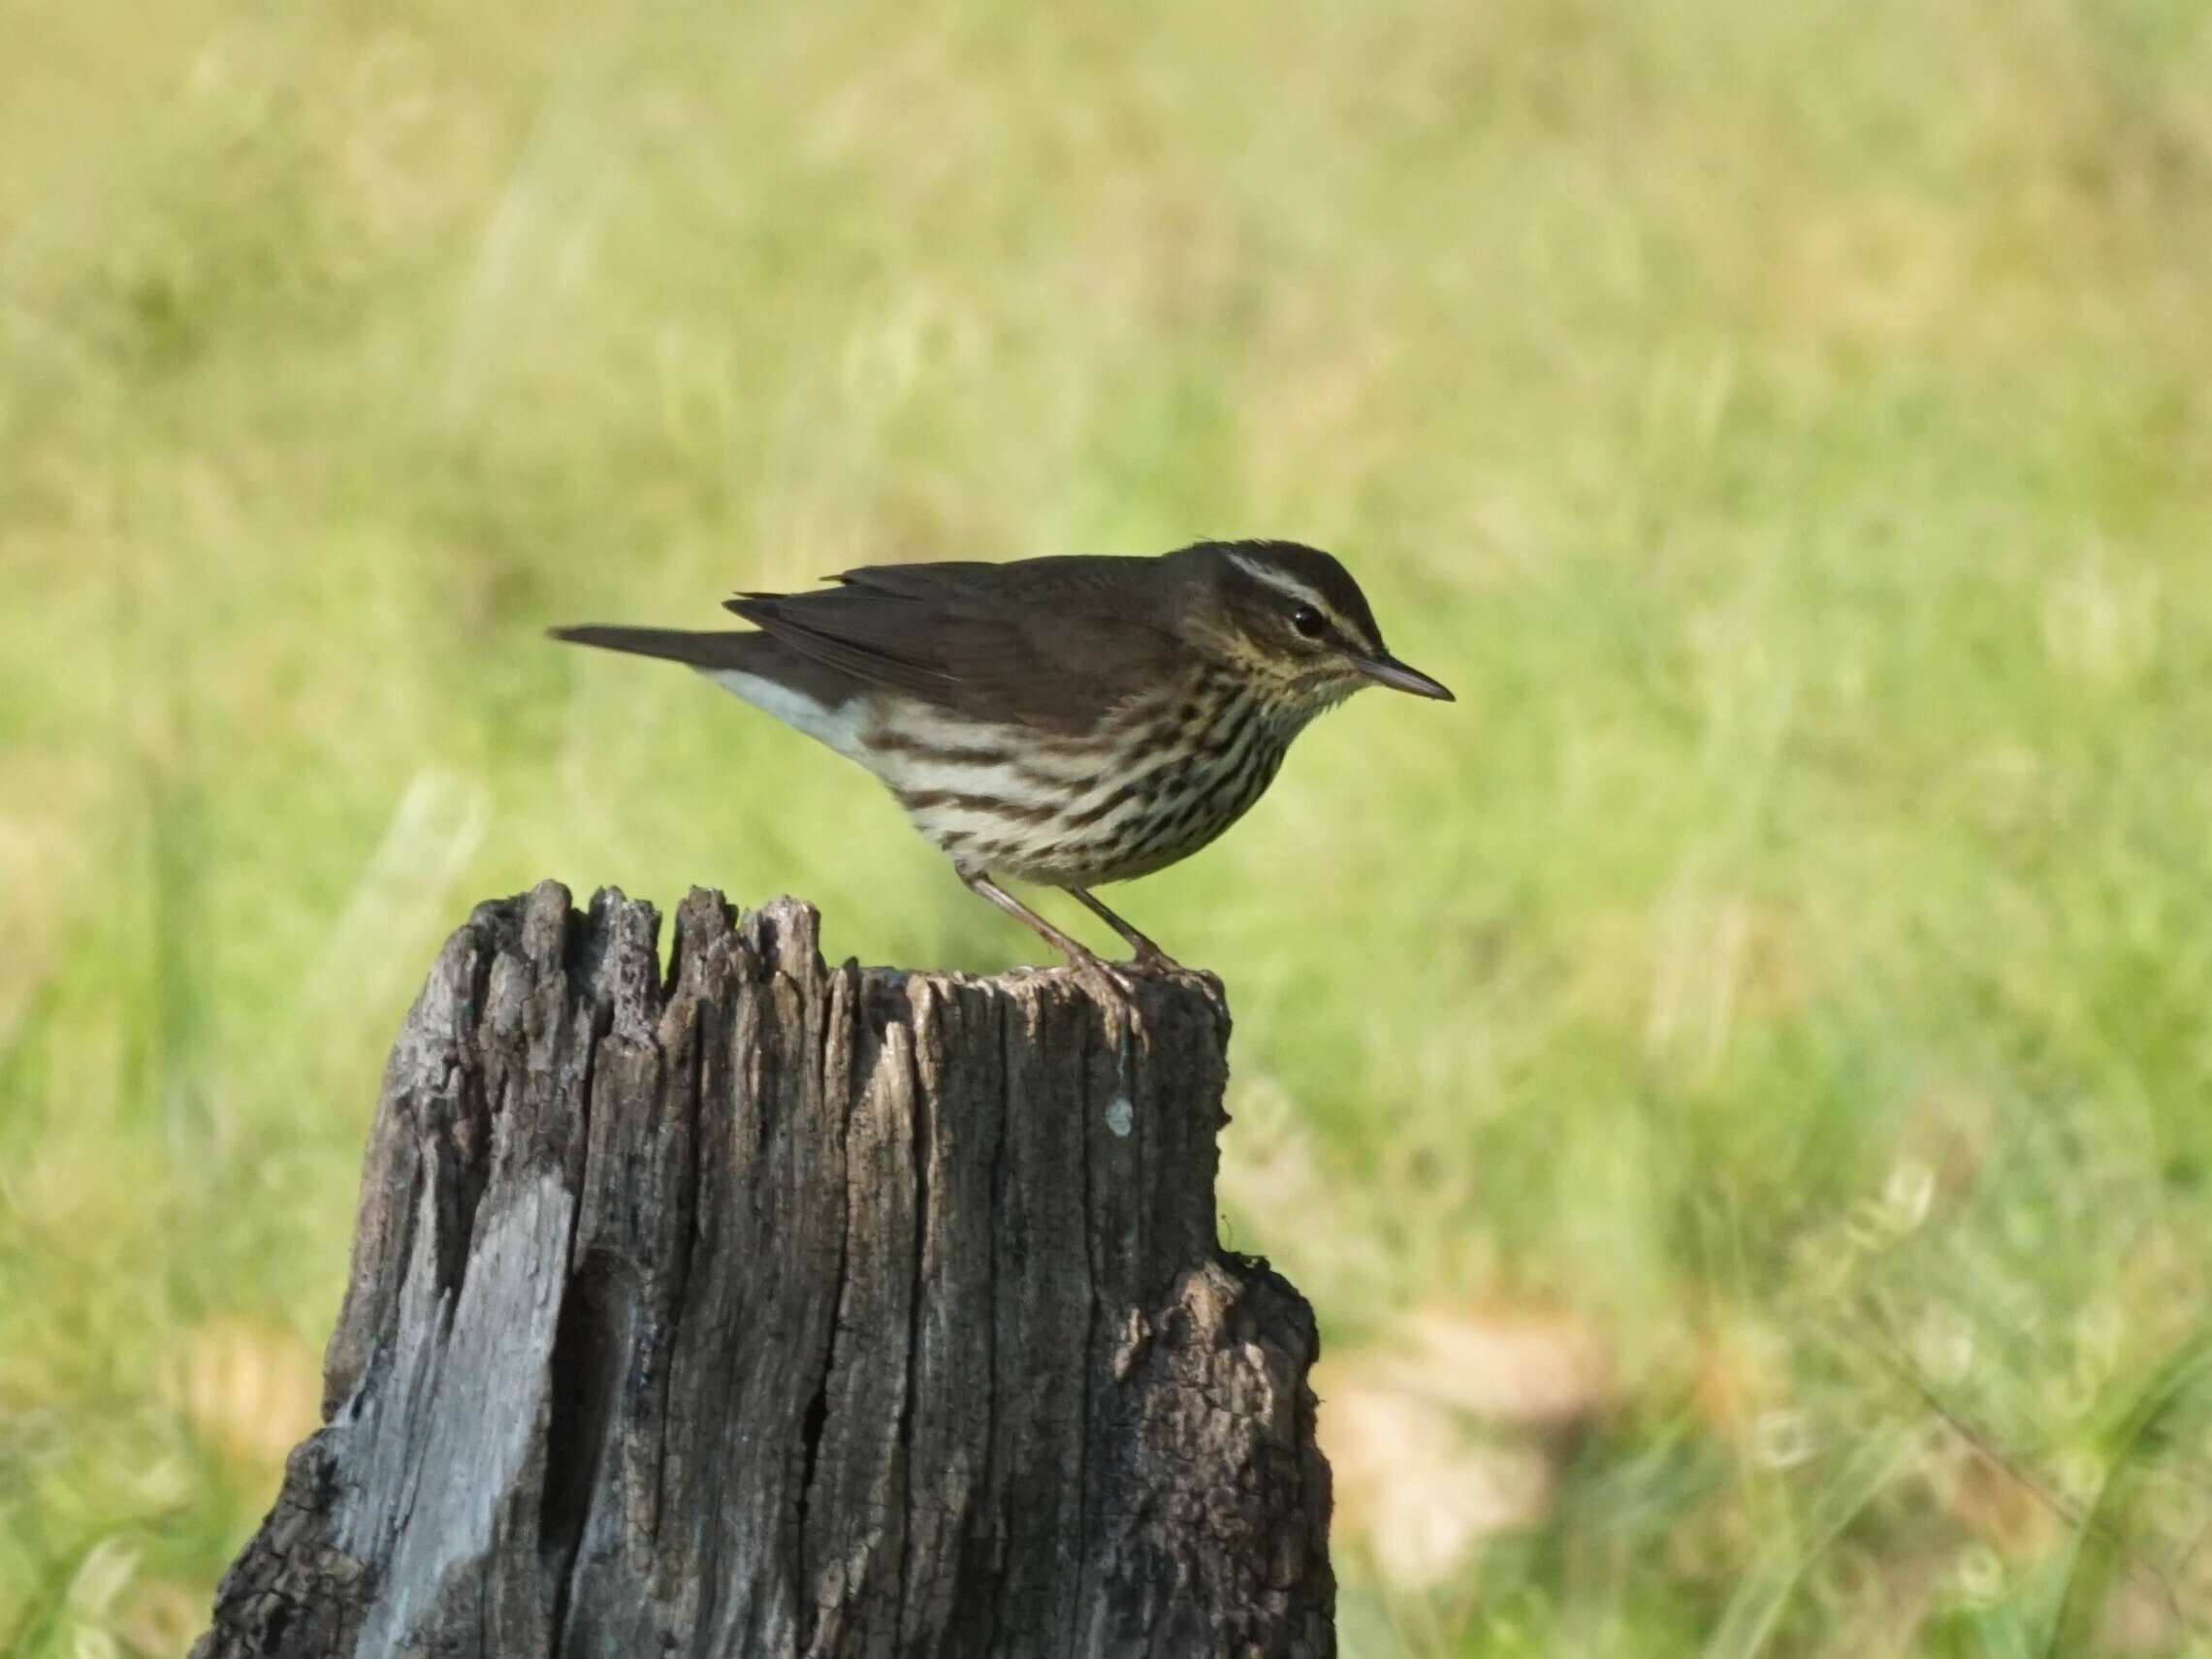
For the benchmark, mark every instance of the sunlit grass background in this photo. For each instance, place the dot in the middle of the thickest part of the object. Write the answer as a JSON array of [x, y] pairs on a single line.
[[1737, 1087]]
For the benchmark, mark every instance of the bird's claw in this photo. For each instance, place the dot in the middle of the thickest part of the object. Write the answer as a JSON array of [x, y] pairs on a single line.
[[1087, 964]]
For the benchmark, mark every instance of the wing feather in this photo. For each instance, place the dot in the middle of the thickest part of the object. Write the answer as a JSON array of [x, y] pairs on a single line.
[[846, 643], [1052, 642]]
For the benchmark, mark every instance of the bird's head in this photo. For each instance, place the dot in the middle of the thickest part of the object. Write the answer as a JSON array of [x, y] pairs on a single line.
[[1291, 621]]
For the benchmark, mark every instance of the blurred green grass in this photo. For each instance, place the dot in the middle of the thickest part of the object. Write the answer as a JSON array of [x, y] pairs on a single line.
[[1775, 993]]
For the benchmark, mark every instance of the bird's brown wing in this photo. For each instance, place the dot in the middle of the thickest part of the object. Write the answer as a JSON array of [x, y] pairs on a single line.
[[1052, 642]]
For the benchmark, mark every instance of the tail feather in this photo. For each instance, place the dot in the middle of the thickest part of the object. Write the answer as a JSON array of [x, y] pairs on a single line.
[[739, 651], [763, 670]]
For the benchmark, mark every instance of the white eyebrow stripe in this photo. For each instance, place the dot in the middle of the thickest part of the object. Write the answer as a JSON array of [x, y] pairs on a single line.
[[1281, 582], [1297, 589]]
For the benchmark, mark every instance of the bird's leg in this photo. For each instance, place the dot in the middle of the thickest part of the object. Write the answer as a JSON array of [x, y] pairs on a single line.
[[983, 887], [1079, 956], [1147, 952]]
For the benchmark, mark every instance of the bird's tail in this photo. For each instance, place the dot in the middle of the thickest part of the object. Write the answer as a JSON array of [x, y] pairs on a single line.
[[759, 668], [708, 650]]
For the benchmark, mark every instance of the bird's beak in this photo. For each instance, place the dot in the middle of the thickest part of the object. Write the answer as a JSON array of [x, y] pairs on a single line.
[[1387, 670]]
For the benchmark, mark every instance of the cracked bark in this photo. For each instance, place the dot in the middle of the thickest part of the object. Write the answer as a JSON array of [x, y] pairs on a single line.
[[769, 1309]]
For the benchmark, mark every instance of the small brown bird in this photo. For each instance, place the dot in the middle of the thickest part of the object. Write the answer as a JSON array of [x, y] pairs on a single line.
[[1070, 721]]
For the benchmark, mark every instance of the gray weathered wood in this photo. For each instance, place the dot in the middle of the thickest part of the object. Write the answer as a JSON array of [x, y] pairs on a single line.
[[769, 1309]]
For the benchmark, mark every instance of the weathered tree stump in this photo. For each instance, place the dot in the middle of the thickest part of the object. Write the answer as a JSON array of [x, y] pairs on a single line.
[[773, 1309]]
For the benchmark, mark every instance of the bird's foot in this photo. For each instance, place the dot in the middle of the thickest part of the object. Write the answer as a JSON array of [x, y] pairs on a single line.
[[1087, 964], [1151, 958], [1145, 954]]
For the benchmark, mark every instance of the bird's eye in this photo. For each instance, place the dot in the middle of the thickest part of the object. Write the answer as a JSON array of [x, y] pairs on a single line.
[[1310, 622]]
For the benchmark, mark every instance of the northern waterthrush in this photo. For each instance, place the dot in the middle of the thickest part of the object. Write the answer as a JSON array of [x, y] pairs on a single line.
[[1071, 721]]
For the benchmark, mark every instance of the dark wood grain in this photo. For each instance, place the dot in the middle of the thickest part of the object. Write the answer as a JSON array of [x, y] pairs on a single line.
[[763, 1308]]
